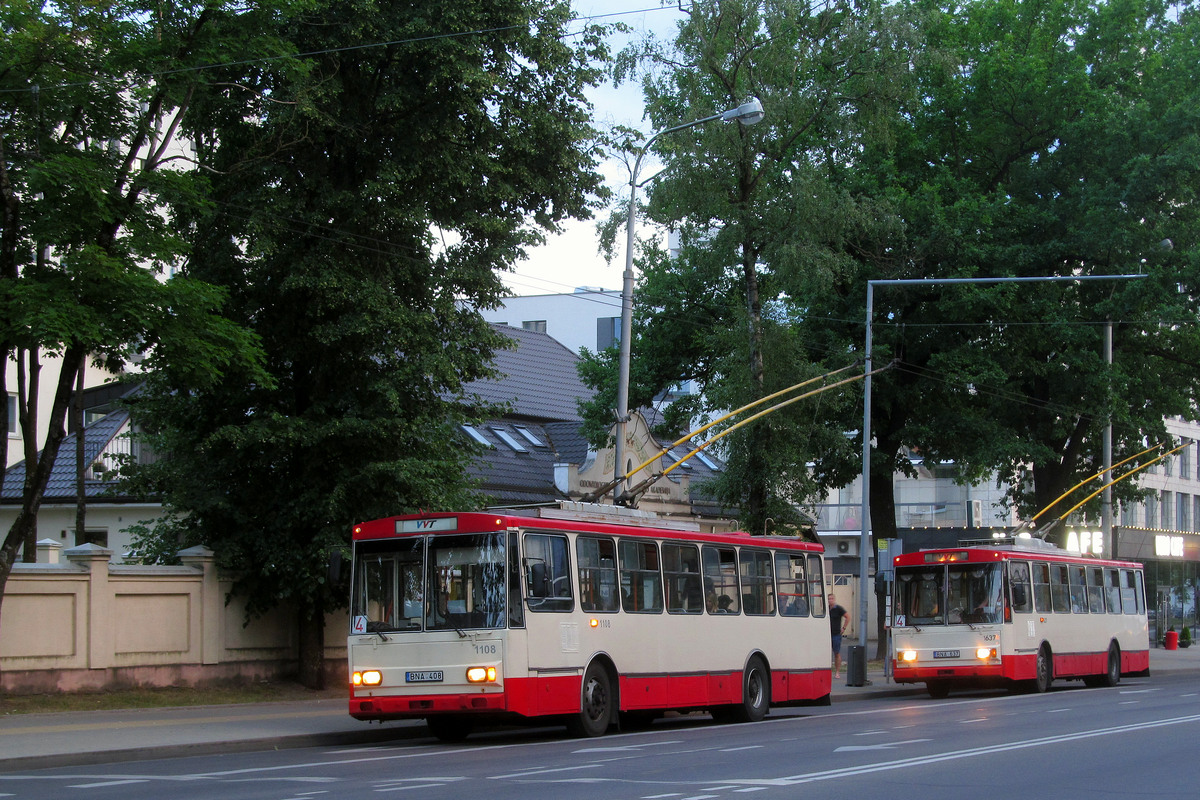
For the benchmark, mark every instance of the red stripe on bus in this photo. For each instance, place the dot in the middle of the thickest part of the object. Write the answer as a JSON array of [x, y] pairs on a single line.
[[531, 697]]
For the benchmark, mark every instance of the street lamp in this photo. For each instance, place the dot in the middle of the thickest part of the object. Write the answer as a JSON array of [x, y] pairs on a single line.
[[748, 113]]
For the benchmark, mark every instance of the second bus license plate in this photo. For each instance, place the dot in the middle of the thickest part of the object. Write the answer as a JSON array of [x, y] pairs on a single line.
[[429, 676], [945, 654]]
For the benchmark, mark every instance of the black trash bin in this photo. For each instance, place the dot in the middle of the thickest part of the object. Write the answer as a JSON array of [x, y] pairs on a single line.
[[856, 665]]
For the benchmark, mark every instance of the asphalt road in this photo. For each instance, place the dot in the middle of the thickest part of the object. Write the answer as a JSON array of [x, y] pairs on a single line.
[[1132, 740]]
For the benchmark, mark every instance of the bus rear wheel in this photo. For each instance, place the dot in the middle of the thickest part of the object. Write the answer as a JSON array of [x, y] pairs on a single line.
[[596, 704], [756, 695], [1112, 672]]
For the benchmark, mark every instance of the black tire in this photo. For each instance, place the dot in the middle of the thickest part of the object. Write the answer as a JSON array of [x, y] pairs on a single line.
[[938, 689], [1112, 676], [1045, 670], [449, 728], [595, 704], [756, 693]]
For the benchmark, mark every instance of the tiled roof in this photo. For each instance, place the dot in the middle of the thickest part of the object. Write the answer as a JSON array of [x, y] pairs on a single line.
[[510, 476], [568, 441], [538, 378], [61, 485]]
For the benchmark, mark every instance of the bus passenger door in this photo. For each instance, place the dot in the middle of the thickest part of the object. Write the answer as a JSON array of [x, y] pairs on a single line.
[[1021, 634]]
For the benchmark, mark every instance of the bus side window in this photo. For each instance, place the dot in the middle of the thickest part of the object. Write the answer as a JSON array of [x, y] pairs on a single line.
[[681, 570], [548, 575], [1022, 598], [597, 574], [816, 585], [1041, 585], [791, 584], [641, 580], [720, 580], [758, 595], [1112, 590], [1129, 604], [1060, 589], [1095, 588], [1079, 601]]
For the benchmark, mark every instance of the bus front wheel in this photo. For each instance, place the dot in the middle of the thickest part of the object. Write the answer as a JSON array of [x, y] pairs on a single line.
[[596, 704], [1044, 674]]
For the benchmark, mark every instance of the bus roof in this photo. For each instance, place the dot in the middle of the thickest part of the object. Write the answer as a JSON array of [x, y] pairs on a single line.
[[1032, 550], [557, 520]]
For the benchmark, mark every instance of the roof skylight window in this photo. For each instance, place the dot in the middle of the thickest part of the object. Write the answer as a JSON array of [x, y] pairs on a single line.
[[529, 437], [509, 440], [477, 436], [678, 459], [708, 462]]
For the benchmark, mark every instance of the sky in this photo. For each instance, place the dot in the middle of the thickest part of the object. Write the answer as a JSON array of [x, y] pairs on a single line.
[[571, 260]]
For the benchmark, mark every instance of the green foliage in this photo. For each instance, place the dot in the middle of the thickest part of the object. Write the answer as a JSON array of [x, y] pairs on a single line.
[[357, 219], [92, 96], [755, 209], [930, 140]]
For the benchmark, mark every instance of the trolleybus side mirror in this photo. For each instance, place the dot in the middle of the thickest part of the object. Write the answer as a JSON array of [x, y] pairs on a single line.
[[539, 586]]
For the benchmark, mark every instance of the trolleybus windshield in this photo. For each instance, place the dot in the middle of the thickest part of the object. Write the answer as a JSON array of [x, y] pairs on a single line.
[[431, 583], [950, 594]]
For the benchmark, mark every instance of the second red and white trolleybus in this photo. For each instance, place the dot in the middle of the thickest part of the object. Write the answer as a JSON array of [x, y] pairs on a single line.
[[1021, 614], [465, 617]]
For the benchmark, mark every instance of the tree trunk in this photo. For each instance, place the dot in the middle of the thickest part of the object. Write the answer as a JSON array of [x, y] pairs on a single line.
[[37, 472], [311, 667]]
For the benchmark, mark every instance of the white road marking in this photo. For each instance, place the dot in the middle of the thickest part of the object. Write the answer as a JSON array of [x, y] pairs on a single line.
[[623, 748], [519, 775], [851, 748], [971, 753], [107, 783], [736, 749]]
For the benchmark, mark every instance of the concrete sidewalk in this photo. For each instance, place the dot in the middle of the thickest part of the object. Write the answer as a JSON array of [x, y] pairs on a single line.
[[37, 741]]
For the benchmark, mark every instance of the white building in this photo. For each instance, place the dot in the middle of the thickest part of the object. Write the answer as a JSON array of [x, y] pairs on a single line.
[[588, 317]]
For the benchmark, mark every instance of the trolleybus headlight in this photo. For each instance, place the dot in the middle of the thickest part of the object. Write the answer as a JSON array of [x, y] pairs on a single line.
[[481, 675], [908, 655], [367, 677], [985, 653]]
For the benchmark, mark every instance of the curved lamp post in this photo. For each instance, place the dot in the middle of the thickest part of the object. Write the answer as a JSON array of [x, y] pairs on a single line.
[[748, 113]]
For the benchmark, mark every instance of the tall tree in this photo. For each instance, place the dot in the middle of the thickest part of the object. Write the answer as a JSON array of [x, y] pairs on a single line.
[[92, 96], [360, 215], [754, 207], [1046, 139]]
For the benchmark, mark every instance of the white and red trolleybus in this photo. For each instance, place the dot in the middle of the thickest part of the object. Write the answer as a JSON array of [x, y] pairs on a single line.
[[1018, 614], [462, 617]]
